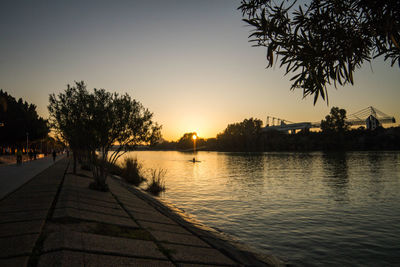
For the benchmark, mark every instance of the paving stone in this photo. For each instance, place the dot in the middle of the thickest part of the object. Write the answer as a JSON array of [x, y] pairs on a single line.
[[129, 196], [62, 258], [153, 217], [45, 202], [142, 209], [20, 228], [105, 260], [87, 192], [163, 227], [17, 245], [84, 196], [120, 191], [199, 265], [17, 208], [182, 253], [110, 211], [96, 195], [107, 199], [27, 196], [80, 182], [74, 258], [23, 216], [72, 188], [179, 239], [124, 193], [114, 210], [12, 262], [67, 203], [63, 240], [90, 208], [46, 182], [113, 205], [134, 202], [132, 247], [67, 196], [93, 216], [37, 189], [86, 242]]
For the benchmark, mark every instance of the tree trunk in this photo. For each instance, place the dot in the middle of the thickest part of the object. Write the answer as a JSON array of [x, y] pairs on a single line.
[[75, 158], [99, 173]]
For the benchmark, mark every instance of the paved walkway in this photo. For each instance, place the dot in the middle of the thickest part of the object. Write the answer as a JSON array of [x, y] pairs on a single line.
[[13, 176], [56, 220]]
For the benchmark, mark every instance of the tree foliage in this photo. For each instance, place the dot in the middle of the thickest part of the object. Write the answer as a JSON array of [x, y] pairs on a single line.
[[335, 122], [17, 118], [322, 42], [242, 136], [186, 141], [108, 123]]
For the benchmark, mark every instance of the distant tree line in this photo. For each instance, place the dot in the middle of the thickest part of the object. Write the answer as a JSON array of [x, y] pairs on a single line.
[[19, 120], [335, 134]]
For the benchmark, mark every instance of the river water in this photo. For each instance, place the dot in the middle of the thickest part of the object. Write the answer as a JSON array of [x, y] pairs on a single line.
[[305, 208]]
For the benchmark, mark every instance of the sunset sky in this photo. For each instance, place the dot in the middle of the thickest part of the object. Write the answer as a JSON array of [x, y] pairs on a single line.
[[189, 62]]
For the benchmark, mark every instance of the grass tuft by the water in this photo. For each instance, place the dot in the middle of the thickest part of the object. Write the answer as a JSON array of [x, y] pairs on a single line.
[[130, 170], [157, 182]]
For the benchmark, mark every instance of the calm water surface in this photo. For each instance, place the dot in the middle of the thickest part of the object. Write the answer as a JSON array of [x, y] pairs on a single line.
[[306, 208]]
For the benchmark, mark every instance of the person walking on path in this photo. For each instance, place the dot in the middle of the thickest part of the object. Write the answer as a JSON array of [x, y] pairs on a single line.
[[19, 157], [54, 156]]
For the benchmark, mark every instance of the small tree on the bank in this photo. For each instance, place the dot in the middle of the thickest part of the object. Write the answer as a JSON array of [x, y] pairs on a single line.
[[68, 115], [111, 124], [119, 124], [335, 122]]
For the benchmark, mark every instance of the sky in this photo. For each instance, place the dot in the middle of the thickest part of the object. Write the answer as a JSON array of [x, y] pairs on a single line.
[[189, 62]]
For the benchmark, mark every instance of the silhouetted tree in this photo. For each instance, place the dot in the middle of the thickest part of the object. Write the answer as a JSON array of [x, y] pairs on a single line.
[[242, 136], [17, 118], [100, 121], [69, 114], [186, 141], [119, 121], [324, 41], [335, 122]]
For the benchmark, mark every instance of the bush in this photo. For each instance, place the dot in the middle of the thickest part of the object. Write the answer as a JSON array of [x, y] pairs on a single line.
[[157, 182], [131, 170]]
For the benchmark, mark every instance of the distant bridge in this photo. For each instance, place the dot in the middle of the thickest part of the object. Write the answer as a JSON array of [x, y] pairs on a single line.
[[370, 117]]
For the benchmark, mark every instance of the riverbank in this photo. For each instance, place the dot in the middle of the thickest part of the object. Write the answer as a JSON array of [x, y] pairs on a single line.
[[54, 219]]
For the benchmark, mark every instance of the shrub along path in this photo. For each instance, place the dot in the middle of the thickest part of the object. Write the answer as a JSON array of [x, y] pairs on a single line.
[[56, 220]]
